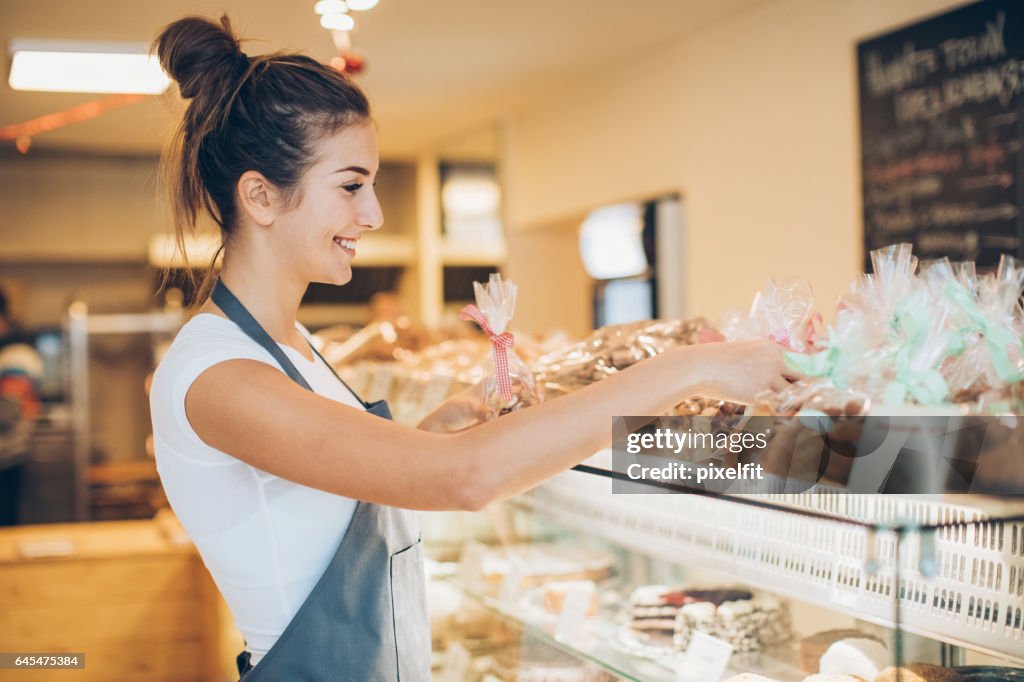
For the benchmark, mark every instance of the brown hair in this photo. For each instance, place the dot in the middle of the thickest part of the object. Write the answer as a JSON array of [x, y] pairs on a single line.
[[245, 113]]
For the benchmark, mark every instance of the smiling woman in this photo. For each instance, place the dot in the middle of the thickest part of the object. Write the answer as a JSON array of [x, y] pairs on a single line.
[[277, 113], [296, 492], [292, 194]]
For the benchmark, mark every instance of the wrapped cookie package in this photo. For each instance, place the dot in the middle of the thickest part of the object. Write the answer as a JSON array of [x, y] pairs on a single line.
[[509, 384], [783, 313], [934, 336], [613, 348]]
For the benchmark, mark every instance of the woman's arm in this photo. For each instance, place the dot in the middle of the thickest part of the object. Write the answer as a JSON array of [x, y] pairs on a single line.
[[253, 412], [460, 411]]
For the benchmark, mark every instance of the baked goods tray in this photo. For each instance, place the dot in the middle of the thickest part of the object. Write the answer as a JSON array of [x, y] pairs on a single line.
[[962, 583]]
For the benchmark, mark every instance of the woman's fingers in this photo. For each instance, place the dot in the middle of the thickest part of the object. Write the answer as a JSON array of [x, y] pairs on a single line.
[[740, 370]]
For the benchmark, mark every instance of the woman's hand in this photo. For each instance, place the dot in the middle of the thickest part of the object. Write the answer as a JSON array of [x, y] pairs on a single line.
[[458, 413], [737, 371]]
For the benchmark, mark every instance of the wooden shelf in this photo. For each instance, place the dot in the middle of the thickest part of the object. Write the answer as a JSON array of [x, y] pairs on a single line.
[[473, 253], [72, 254]]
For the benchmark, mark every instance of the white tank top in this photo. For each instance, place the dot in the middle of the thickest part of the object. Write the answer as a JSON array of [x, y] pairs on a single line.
[[265, 540]]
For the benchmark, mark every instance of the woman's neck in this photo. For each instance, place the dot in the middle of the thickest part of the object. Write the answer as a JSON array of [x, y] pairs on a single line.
[[271, 297]]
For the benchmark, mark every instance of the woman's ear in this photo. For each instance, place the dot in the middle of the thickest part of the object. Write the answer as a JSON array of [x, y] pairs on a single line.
[[257, 198]]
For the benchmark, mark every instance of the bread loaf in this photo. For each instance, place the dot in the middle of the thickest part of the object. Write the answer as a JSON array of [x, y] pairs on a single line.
[[813, 647], [855, 656]]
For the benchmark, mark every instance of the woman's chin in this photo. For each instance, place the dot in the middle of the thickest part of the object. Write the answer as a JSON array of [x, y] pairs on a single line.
[[336, 278]]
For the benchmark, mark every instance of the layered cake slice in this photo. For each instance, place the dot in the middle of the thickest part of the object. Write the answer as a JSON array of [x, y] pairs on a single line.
[[652, 612], [747, 623], [653, 609]]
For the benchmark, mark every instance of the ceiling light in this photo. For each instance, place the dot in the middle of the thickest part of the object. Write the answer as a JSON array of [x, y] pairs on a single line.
[[71, 66], [338, 22], [330, 7], [362, 4]]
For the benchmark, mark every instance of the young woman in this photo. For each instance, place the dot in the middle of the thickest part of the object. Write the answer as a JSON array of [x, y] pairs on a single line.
[[295, 492]]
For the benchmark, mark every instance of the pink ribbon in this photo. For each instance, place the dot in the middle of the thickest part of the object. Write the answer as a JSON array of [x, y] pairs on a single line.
[[809, 333], [500, 343], [781, 336], [814, 325]]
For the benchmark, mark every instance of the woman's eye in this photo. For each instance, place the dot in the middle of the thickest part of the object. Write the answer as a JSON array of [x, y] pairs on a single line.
[[353, 187]]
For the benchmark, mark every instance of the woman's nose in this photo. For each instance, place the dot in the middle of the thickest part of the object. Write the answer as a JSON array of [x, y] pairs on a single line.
[[372, 217]]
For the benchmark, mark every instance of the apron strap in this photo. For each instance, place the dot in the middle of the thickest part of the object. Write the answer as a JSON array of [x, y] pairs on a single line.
[[238, 314], [242, 663]]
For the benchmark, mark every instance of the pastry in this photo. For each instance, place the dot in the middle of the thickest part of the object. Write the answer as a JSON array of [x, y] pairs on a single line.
[[748, 624], [683, 597], [855, 656], [653, 608], [651, 611], [774, 621], [825, 677], [555, 594], [918, 672], [749, 677], [812, 647]]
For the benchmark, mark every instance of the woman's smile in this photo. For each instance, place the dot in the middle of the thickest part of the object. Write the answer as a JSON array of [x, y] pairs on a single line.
[[346, 245]]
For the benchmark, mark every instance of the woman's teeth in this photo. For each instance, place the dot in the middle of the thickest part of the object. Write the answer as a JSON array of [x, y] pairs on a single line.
[[349, 244]]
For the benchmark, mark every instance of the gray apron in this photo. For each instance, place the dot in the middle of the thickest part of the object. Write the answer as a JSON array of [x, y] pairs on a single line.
[[366, 618]]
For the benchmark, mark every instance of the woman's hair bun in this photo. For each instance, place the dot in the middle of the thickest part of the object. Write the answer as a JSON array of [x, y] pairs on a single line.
[[195, 50]]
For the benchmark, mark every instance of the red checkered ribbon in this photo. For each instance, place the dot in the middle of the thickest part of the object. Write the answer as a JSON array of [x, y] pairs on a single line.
[[809, 334], [781, 337], [500, 343]]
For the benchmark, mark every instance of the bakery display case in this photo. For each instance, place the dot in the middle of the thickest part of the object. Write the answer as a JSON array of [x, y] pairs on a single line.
[[659, 582], [739, 587]]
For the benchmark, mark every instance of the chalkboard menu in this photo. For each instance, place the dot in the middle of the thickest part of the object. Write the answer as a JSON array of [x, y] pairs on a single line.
[[941, 132]]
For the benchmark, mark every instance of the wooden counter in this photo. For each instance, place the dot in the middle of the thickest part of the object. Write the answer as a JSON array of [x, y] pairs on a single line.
[[140, 605]]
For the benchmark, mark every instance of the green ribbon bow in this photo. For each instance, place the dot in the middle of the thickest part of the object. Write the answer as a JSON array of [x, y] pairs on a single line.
[[911, 320], [998, 338]]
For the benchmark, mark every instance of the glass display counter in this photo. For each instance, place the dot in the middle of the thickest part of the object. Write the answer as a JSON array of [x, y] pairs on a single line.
[[696, 587]]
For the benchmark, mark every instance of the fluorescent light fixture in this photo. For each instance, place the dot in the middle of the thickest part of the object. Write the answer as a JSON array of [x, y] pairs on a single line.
[[338, 22], [362, 4], [330, 7], [74, 66]]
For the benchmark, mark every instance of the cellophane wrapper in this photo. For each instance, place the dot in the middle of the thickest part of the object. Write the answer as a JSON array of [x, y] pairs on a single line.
[[933, 338], [613, 348], [782, 312], [987, 314], [497, 301], [846, 369]]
